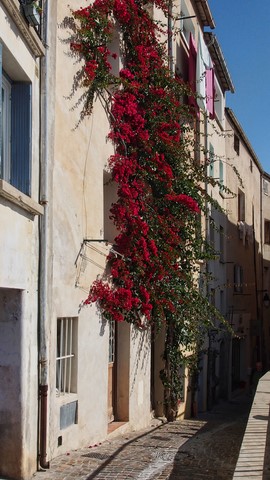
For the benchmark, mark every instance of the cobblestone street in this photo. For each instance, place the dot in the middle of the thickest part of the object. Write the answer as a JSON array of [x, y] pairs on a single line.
[[203, 448]]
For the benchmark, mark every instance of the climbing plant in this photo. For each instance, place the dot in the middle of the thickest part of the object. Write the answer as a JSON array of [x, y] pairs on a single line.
[[153, 278]]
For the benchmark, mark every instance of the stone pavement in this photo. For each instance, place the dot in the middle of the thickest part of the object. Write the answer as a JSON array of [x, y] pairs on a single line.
[[197, 449]]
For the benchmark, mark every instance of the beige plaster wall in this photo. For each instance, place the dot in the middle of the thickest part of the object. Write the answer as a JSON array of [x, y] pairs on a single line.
[[77, 162], [18, 287], [247, 253]]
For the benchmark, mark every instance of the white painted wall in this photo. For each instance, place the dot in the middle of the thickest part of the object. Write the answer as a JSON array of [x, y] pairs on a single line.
[[18, 286]]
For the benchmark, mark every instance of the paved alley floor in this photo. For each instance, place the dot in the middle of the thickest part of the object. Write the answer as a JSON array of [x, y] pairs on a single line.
[[203, 448]]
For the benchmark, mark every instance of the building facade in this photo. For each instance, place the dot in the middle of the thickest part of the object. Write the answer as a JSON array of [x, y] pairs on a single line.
[[68, 378], [20, 210]]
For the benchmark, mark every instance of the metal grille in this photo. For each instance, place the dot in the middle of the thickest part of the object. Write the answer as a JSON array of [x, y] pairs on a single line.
[[65, 360], [111, 341]]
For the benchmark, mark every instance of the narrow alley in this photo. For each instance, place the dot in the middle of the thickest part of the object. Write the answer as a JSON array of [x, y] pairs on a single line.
[[203, 448]]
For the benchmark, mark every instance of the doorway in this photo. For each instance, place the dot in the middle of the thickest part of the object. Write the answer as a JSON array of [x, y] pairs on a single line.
[[112, 372]]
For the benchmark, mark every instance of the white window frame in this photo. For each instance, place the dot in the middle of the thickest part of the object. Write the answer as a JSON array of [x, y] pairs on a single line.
[[186, 24], [66, 355], [219, 103]]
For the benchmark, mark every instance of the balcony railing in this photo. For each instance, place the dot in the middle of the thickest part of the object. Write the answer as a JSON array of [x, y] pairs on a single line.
[[32, 11]]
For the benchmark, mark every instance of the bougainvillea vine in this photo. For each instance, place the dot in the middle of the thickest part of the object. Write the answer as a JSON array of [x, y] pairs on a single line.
[[152, 279]]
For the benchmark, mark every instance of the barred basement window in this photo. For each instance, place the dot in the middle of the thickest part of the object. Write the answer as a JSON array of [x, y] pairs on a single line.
[[66, 360]]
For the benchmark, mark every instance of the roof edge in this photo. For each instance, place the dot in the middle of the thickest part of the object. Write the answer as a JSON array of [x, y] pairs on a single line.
[[205, 14], [217, 54], [229, 112]]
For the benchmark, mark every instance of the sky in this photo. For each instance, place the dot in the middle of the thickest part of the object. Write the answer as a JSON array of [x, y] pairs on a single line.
[[243, 33]]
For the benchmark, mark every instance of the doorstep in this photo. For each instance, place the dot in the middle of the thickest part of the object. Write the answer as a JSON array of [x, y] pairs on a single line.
[[117, 428]]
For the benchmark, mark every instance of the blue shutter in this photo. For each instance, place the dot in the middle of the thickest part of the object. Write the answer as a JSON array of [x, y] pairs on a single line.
[[1, 114], [21, 137]]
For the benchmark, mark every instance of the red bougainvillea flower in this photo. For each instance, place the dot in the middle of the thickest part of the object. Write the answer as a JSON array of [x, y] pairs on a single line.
[[90, 69], [186, 200]]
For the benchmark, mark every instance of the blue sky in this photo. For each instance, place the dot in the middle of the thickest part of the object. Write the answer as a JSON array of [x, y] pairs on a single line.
[[243, 33]]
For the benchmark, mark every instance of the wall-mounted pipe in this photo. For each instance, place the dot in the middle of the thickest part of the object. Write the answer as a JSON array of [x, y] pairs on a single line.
[[43, 396], [43, 249]]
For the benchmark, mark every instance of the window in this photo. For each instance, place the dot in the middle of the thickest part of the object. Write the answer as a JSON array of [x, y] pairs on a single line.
[[221, 175], [212, 232], [238, 279], [186, 25], [221, 244], [212, 297], [221, 302], [267, 232], [251, 165], [66, 359], [241, 206], [211, 160], [219, 103], [265, 186], [236, 144], [15, 131]]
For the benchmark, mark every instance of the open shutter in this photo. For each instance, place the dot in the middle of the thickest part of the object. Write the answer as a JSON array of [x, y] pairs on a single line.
[[1, 114], [21, 137]]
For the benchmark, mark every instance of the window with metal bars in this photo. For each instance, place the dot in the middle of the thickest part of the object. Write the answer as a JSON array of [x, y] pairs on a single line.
[[111, 341], [66, 357]]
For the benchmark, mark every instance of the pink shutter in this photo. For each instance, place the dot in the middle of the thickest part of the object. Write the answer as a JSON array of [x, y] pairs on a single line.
[[210, 92]]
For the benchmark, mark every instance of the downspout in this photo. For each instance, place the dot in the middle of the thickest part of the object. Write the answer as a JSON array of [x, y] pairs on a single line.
[[170, 35], [43, 248]]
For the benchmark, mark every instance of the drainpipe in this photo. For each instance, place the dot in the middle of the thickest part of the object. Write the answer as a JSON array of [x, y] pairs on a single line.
[[170, 37], [43, 248]]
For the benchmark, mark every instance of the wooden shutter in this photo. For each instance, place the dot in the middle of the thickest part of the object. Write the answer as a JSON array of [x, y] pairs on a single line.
[[21, 137]]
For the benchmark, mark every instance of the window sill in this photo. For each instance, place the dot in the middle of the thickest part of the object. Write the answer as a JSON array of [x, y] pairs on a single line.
[[65, 398], [15, 196], [29, 34]]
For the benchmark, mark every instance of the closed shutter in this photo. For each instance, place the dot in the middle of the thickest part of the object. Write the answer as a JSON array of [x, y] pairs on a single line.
[[1, 115], [21, 137]]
